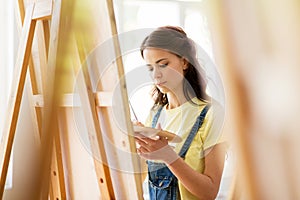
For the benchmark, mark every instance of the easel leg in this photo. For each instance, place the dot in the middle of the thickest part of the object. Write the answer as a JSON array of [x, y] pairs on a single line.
[[16, 95]]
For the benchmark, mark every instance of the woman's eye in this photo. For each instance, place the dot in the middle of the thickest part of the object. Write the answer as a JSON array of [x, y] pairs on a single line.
[[150, 69], [163, 65]]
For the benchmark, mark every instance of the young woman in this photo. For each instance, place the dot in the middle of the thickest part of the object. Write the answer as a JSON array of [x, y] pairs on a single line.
[[191, 169]]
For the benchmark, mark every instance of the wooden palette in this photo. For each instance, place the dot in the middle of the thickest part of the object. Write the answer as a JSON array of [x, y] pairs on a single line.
[[150, 132]]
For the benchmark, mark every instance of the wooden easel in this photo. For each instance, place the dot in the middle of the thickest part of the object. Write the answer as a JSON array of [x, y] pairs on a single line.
[[34, 13], [98, 105], [47, 95]]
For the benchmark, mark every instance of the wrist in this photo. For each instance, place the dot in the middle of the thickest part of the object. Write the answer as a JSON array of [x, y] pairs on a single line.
[[170, 156]]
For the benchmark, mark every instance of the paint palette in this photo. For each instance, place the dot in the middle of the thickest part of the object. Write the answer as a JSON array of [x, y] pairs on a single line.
[[151, 132]]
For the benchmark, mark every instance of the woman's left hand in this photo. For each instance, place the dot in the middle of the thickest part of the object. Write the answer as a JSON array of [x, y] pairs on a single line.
[[156, 149]]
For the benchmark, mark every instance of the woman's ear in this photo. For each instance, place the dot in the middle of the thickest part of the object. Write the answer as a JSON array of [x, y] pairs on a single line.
[[185, 64]]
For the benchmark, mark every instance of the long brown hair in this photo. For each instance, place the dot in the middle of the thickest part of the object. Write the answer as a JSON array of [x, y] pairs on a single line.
[[175, 40]]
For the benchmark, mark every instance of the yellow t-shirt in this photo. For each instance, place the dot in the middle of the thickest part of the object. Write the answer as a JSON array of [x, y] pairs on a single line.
[[180, 121]]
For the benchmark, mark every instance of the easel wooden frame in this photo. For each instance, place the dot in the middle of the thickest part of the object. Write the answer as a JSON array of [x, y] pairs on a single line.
[[37, 86], [42, 11], [17, 90], [99, 105]]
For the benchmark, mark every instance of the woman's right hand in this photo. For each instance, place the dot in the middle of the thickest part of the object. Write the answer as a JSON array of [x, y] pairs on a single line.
[[136, 123], [155, 148]]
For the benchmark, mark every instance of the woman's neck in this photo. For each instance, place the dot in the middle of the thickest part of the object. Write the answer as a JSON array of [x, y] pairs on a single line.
[[175, 100]]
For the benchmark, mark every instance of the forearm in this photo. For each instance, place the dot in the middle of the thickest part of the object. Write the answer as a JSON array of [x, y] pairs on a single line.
[[198, 184]]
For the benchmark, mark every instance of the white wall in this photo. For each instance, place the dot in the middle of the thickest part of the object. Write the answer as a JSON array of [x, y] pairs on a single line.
[[23, 160], [6, 54], [6, 61]]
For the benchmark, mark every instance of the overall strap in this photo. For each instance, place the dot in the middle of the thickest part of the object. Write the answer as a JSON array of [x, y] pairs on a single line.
[[195, 128], [156, 116]]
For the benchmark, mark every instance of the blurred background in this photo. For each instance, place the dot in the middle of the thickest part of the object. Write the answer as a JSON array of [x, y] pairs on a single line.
[[255, 46]]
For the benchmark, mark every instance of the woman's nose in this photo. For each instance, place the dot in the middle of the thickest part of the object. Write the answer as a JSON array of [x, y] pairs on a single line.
[[156, 73]]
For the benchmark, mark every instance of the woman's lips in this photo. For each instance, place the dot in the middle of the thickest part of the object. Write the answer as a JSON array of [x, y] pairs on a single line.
[[160, 83]]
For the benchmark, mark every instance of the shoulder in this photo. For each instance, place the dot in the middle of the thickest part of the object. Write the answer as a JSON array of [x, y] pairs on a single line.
[[214, 109], [217, 112], [213, 123]]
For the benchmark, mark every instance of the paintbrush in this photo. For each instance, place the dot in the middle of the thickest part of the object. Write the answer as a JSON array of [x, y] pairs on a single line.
[[133, 112]]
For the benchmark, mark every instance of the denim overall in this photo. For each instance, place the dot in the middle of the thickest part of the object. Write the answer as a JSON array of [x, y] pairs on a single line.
[[163, 185]]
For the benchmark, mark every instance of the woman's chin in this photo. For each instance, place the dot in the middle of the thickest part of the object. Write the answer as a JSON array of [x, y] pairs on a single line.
[[163, 89]]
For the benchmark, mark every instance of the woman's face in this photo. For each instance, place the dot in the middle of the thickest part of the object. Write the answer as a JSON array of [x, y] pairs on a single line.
[[166, 69]]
